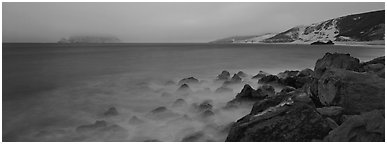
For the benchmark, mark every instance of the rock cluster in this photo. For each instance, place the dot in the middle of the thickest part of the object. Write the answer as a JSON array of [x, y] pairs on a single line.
[[341, 100]]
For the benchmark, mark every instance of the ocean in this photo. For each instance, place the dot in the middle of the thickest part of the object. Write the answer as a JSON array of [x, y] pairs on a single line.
[[51, 89]]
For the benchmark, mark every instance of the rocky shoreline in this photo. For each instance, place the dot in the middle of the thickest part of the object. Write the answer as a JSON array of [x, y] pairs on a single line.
[[342, 99]]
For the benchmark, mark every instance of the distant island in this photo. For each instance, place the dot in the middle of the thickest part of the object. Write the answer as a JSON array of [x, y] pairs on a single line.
[[363, 27], [90, 39]]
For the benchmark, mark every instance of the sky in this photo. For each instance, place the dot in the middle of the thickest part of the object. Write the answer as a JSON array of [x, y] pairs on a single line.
[[164, 22]]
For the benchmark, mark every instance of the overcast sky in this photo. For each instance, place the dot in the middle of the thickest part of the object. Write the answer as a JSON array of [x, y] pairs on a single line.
[[164, 22]]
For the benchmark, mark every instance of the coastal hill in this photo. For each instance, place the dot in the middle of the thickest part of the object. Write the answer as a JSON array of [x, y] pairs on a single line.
[[90, 39], [357, 27]]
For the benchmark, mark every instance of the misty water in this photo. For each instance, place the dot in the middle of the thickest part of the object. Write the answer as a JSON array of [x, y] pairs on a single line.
[[51, 89]]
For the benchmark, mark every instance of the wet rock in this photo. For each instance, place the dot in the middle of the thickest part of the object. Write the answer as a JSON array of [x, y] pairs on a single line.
[[330, 111], [184, 88], [224, 76], [266, 90], [355, 92], [234, 80], [135, 121], [331, 123], [91, 127], [241, 74], [261, 74], [112, 111], [305, 72], [190, 80], [287, 73], [375, 66], [287, 89], [207, 113], [223, 89], [286, 120], [179, 103], [268, 79], [336, 60], [367, 127], [248, 95], [162, 113]]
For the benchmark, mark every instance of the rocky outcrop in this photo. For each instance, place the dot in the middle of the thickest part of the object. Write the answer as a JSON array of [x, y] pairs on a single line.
[[355, 92], [224, 76], [234, 80], [112, 111], [241, 74], [189, 80], [261, 74], [268, 79], [249, 94], [336, 60], [375, 66], [367, 127]]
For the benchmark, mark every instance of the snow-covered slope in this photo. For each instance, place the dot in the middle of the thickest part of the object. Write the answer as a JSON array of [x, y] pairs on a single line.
[[358, 27]]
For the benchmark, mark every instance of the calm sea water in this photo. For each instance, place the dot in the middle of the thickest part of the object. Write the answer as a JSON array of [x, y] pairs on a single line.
[[48, 85]]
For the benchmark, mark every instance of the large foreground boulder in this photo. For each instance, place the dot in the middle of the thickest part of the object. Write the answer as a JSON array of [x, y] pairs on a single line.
[[367, 127], [355, 92], [281, 118], [336, 60]]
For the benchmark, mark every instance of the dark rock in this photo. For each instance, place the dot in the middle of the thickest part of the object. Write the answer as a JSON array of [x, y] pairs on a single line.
[[331, 123], [111, 112], [241, 74], [190, 80], [330, 111], [355, 92], [205, 105], [249, 95], [336, 60], [223, 89], [266, 91], [261, 74], [268, 79], [207, 113], [375, 66], [287, 73], [135, 120], [91, 127], [184, 88], [179, 103], [159, 110], [322, 43], [305, 72], [234, 80], [287, 89], [286, 121], [225, 75], [367, 127]]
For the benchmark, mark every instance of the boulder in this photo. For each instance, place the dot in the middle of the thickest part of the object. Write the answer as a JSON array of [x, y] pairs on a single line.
[[91, 127], [287, 73], [355, 92], [277, 120], [305, 72], [266, 90], [268, 79], [249, 95], [112, 111], [179, 103], [375, 66], [367, 127], [205, 105], [261, 74], [330, 111], [224, 76], [223, 89], [234, 80], [287, 89], [336, 60], [241, 74], [189, 80]]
